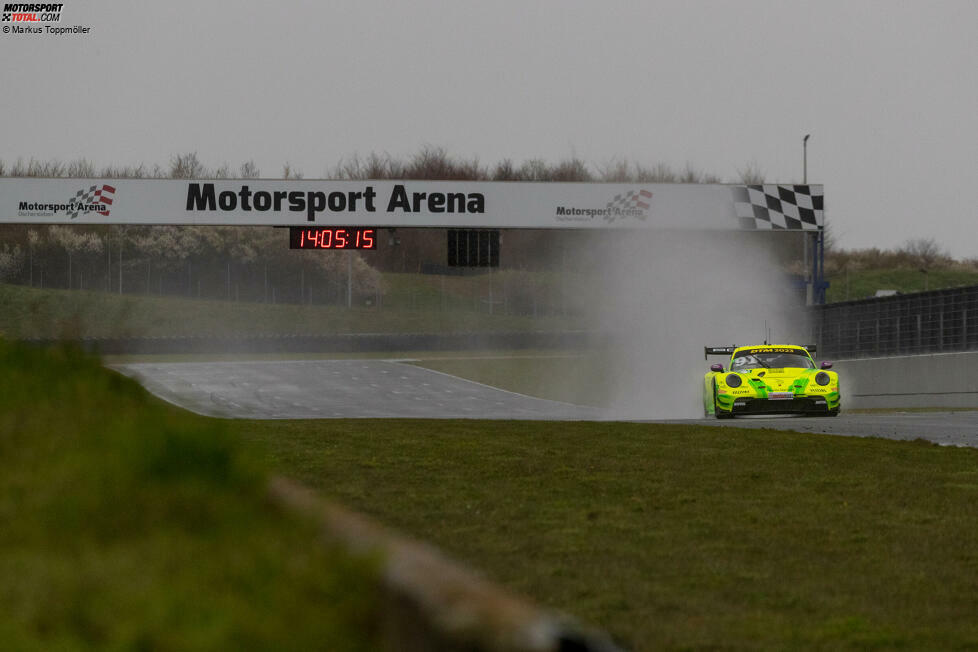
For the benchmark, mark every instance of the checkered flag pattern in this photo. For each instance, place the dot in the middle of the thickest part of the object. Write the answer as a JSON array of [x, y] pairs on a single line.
[[631, 200], [93, 195], [776, 207]]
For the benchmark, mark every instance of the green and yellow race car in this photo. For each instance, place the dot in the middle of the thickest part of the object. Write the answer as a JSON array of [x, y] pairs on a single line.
[[769, 379]]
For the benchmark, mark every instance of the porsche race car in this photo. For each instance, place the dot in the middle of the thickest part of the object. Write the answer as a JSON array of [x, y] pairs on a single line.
[[769, 379]]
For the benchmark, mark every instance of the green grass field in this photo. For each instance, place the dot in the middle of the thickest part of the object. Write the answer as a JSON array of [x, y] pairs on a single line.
[[126, 524], [677, 537], [33, 312]]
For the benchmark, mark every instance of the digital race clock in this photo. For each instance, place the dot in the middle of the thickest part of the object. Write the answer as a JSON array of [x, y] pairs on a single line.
[[332, 237]]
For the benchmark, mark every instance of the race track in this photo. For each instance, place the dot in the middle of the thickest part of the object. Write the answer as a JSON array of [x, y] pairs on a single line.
[[345, 389], [947, 428], [339, 389]]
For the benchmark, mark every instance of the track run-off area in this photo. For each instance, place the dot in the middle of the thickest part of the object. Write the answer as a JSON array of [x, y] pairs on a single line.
[[350, 389]]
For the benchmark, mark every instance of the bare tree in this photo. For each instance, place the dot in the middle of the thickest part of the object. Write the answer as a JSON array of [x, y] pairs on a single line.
[[187, 166], [288, 172], [249, 170], [572, 169], [828, 238], [80, 168], [124, 172], [35, 168], [924, 251], [751, 174], [504, 171]]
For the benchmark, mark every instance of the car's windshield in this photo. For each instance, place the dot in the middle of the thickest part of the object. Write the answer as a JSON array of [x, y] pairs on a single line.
[[771, 360]]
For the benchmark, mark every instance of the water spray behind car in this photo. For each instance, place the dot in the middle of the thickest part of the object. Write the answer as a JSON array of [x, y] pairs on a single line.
[[664, 295]]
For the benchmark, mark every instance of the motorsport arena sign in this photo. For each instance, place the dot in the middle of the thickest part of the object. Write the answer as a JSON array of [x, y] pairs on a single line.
[[438, 204]]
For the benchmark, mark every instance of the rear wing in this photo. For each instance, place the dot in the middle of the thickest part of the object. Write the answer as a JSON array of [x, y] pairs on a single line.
[[718, 350], [728, 350]]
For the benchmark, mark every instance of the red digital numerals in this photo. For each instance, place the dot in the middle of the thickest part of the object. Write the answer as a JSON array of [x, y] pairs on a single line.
[[334, 238]]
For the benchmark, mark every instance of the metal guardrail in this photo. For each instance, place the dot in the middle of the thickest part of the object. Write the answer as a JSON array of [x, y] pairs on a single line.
[[939, 321]]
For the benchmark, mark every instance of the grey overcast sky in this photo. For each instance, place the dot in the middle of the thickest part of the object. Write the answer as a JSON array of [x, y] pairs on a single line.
[[888, 90]]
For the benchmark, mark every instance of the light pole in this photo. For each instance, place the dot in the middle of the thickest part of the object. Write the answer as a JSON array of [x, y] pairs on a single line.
[[809, 278], [804, 158]]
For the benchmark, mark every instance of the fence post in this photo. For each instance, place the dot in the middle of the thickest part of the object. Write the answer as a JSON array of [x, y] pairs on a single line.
[[898, 335], [964, 328], [349, 279], [819, 340]]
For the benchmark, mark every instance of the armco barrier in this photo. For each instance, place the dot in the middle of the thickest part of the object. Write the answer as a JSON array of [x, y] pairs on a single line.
[[431, 602], [930, 380]]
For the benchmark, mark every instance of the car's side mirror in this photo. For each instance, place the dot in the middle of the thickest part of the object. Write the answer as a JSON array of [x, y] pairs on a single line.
[[716, 367], [826, 365]]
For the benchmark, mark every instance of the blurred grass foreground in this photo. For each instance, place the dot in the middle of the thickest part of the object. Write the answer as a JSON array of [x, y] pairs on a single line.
[[127, 524]]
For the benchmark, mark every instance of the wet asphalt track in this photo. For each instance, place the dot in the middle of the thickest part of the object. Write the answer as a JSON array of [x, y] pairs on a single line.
[[340, 389], [947, 428], [318, 389]]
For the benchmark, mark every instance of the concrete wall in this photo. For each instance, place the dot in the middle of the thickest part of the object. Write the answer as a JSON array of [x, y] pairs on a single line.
[[931, 380]]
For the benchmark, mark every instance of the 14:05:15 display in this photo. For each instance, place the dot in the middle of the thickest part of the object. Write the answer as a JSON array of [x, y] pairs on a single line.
[[332, 238]]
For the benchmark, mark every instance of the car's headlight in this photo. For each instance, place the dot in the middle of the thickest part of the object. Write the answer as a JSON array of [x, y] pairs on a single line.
[[733, 380], [822, 378]]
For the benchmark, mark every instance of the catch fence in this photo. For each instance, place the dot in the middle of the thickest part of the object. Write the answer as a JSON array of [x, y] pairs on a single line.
[[939, 321]]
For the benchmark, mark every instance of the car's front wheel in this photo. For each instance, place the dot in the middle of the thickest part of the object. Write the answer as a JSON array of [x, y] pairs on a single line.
[[717, 412]]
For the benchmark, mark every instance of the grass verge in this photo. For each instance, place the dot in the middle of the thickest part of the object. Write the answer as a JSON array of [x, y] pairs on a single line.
[[127, 524], [864, 283], [70, 314], [676, 537]]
